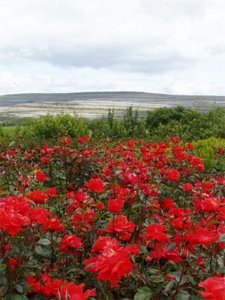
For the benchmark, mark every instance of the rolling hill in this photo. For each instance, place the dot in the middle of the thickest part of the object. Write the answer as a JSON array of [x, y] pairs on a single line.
[[96, 104]]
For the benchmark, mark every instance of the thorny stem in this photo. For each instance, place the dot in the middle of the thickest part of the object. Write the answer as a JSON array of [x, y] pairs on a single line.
[[179, 282], [52, 248]]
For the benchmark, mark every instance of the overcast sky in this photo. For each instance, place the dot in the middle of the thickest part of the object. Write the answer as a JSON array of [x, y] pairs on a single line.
[[161, 46]]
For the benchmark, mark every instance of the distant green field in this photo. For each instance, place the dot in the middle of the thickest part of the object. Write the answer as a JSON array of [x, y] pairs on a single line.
[[9, 130]]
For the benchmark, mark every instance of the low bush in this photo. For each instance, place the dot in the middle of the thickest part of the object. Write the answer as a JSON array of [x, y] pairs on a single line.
[[159, 124], [210, 150]]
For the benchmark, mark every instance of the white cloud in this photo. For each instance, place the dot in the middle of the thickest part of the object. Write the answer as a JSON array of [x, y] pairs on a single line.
[[168, 46]]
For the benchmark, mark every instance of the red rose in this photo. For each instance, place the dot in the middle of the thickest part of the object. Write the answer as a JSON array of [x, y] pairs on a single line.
[[51, 192], [12, 263], [95, 185], [37, 197], [173, 175], [121, 226], [187, 187], [70, 242], [72, 291], [214, 288], [40, 176], [201, 236], [112, 264], [156, 232], [115, 205]]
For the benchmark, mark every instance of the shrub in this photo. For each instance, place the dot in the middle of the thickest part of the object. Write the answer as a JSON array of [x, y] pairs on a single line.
[[209, 149]]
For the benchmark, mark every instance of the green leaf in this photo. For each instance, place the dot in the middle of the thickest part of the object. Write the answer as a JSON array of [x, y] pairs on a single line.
[[39, 297], [222, 238], [143, 293], [156, 278], [176, 275], [196, 297], [183, 295], [15, 296], [43, 251], [169, 286], [143, 249], [19, 288], [12, 144], [44, 242], [3, 280], [2, 267], [153, 271], [3, 288], [71, 271], [142, 197], [170, 246], [221, 270]]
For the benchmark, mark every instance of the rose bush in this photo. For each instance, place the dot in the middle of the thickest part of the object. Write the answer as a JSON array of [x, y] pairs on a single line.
[[132, 220]]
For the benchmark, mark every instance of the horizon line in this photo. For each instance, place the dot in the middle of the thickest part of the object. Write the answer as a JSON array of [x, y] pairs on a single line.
[[111, 91]]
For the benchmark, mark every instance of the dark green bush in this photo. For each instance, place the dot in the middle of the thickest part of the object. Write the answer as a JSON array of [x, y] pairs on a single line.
[[47, 128], [188, 124]]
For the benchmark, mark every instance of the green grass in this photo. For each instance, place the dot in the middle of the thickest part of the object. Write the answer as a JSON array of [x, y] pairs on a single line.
[[10, 130]]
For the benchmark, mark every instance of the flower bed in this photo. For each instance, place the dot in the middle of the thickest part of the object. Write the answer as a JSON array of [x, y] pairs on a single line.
[[96, 221]]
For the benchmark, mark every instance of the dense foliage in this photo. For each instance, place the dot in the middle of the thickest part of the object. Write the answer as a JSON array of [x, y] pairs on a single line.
[[129, 220], [188, 123], [158, 124], [205, 130]]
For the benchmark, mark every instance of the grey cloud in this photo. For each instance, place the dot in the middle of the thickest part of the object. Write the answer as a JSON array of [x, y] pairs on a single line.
[[129, 60], [158, 45], [93, 58], [66, 58], [119, 59]]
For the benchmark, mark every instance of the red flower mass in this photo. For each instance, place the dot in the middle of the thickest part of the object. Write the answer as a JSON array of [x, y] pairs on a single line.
[[130, 216], [95, 185]]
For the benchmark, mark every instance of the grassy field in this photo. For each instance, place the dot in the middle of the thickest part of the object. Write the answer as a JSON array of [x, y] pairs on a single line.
[[10, 130]]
